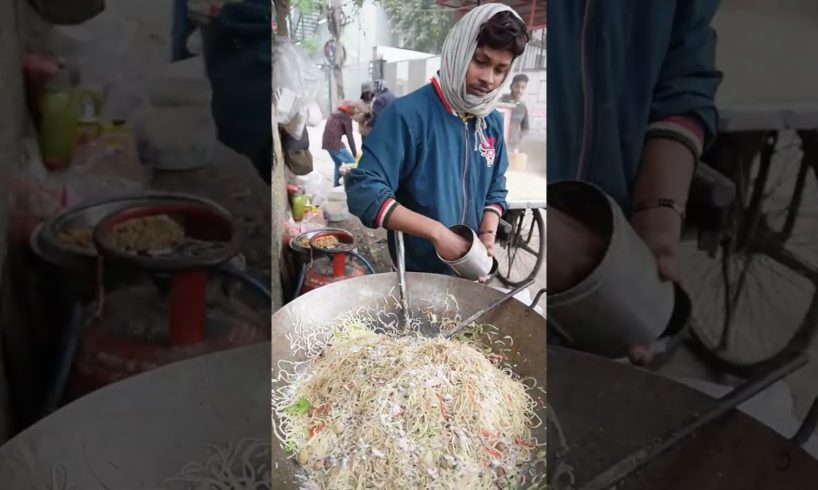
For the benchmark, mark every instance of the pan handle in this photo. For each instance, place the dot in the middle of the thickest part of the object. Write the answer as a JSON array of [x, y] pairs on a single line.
[[539, 295], [808, 426]]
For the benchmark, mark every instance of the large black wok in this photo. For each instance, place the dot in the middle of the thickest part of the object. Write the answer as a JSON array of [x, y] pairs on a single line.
[[525, 326]]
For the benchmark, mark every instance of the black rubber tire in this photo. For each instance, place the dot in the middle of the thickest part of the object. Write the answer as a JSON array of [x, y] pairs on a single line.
[[539, 223]]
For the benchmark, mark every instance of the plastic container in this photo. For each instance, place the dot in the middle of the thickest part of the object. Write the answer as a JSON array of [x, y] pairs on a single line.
[[60, 109], [476, 263], [622, 302], [299, 205], [338, 194]]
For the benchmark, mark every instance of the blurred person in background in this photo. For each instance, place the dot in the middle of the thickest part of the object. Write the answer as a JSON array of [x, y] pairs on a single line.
[[382, 99], [519, 116], [237, 50], [363, 112], [339, 124], [437, 157]]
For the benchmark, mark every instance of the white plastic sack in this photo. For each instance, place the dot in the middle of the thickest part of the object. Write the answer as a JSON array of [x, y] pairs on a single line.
[[296, 84]]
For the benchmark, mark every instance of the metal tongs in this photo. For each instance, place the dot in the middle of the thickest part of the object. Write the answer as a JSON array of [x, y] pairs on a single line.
[[404, 303], [492, 306]]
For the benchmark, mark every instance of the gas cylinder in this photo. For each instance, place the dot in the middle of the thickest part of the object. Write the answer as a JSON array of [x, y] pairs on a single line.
[[132, 335], [175, 311], [325, 270]]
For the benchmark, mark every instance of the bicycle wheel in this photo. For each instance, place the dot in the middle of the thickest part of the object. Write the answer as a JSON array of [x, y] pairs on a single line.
[[520, 258], [755, 300]]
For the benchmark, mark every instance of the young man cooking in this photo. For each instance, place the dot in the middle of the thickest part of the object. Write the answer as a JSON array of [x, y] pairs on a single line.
[[437, 157]]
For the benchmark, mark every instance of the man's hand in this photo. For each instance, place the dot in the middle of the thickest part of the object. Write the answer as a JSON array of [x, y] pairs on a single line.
[[660, 228], [666, 173], [488, 240], [449, 245]]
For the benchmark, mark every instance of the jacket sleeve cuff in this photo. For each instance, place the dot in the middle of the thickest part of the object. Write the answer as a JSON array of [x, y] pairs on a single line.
[[495, 208], [686, 130], [385, 212]]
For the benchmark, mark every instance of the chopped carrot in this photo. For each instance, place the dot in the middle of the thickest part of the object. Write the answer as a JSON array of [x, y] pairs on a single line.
[[524, 443], [494, 453], [489, 434], [314, 429], [320, 410], [442, 410]]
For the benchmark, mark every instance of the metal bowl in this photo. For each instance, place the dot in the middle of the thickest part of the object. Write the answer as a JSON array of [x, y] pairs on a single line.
[[45, 238], [346, 242], [212, 226], [308, 235]]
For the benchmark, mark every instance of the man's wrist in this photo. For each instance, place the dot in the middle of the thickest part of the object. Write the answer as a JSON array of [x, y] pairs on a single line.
[[642, 205], [437, 231]]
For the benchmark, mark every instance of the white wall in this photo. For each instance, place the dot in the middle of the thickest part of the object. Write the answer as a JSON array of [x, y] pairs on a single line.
[[766, 51], [371, 28]]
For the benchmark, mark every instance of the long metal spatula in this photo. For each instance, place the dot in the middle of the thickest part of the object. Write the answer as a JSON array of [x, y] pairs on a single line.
[[404, 302]]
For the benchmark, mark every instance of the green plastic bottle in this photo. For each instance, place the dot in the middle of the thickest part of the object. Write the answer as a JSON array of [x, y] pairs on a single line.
[[58, 118], [61, 107]]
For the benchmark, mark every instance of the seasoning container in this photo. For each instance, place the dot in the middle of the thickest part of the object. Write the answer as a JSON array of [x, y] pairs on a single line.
[[88, 128], [57, 118], [476, 263], [299, 204], [61, 108], [117, 134]]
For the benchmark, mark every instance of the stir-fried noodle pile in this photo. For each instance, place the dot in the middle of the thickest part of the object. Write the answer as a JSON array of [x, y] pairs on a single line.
[[379, 410]]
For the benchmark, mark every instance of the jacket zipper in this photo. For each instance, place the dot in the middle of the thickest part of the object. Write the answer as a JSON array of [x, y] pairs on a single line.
[[586, 94], [465, 169]]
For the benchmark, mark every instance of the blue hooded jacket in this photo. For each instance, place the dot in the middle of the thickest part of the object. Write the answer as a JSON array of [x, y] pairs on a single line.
[[425, 157], [616, 68]]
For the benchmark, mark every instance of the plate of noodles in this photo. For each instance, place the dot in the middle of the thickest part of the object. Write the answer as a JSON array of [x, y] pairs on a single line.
[[360, 402]]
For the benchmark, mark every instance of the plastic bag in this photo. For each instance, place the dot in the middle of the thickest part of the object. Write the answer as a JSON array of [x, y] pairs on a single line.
[[314, 115], [314, 184], [183, 138], [100, 171], [296, 84]]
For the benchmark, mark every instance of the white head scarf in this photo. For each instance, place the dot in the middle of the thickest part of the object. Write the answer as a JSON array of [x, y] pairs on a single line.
[[458, 51]]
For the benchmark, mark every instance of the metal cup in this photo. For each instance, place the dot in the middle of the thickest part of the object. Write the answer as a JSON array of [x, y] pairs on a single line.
[[476, 263], [622, 302]]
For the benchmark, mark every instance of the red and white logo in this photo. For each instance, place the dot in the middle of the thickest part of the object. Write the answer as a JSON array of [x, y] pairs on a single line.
[[488, 151]]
